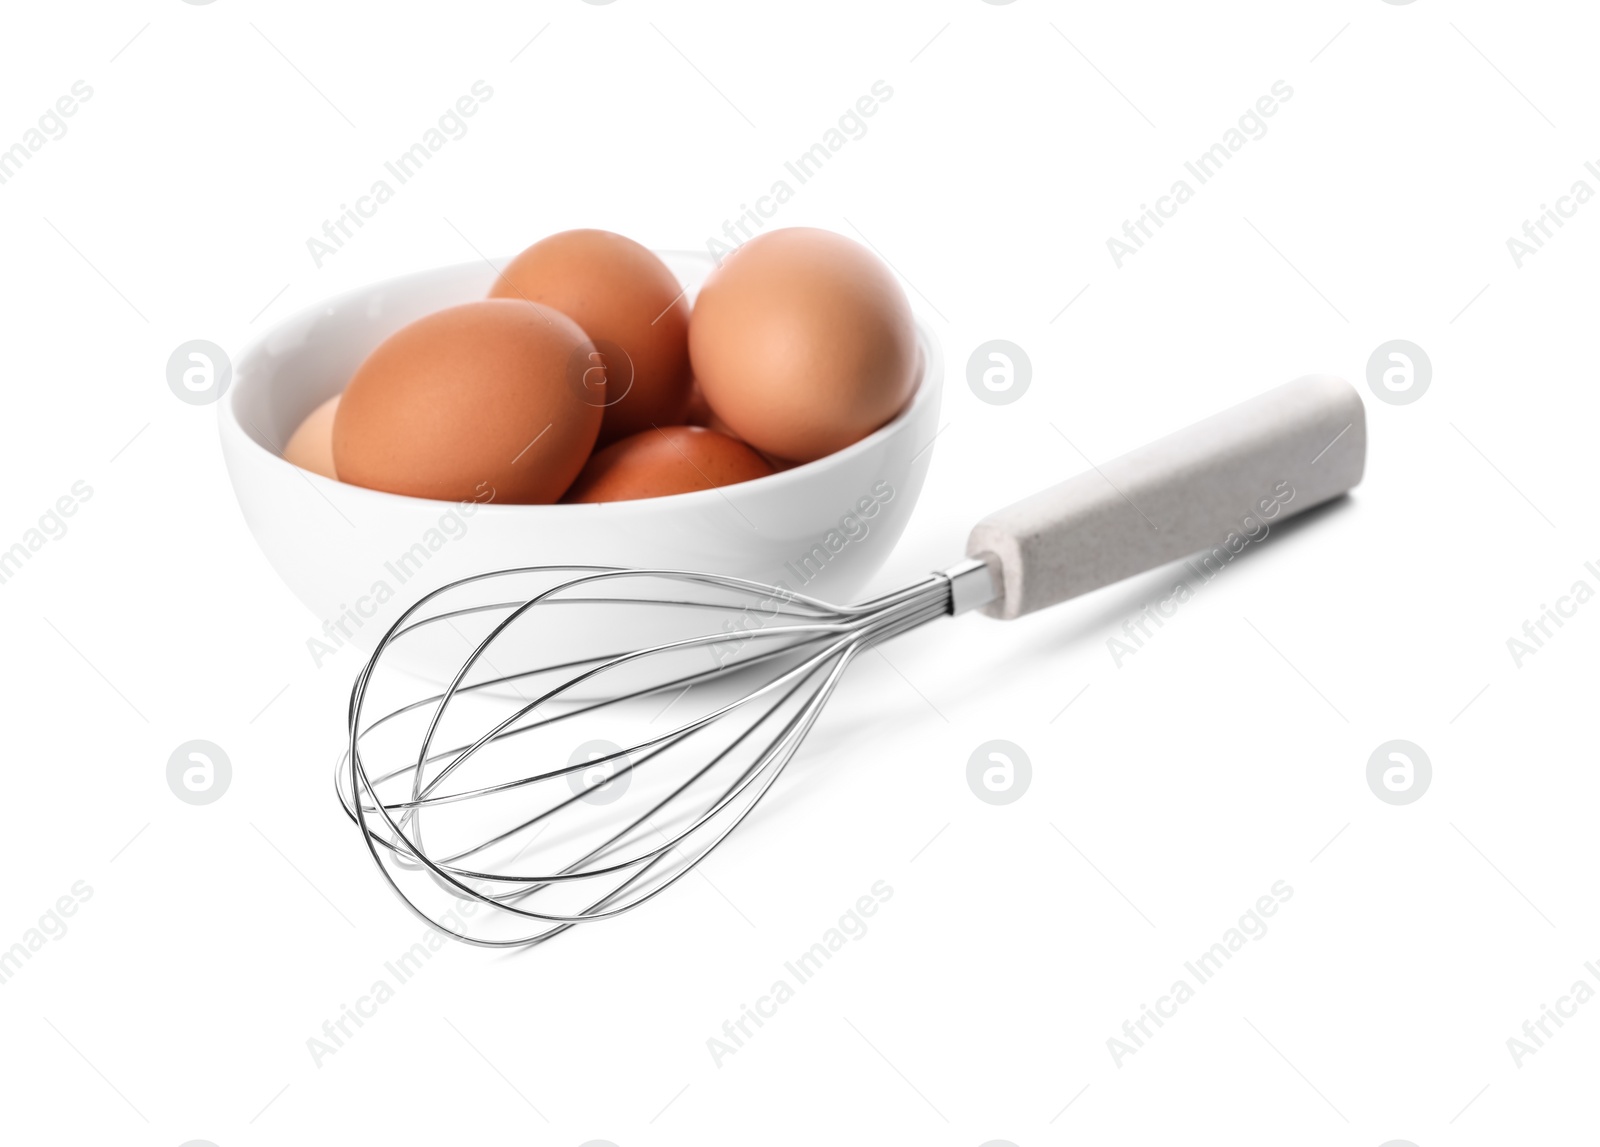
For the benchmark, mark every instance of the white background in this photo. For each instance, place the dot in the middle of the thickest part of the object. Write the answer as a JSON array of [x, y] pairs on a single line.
[[1228, 754]]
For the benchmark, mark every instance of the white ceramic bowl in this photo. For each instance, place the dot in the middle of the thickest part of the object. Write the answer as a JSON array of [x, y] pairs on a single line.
[[358, 557]]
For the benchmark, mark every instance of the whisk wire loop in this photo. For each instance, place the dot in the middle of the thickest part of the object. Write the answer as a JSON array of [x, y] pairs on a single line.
[[529, 836]]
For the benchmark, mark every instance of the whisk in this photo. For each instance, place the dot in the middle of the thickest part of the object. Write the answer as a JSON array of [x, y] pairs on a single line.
[[688, 694]]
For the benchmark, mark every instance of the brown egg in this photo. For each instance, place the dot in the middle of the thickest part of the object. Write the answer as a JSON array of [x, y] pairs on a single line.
[[779, 465], [668, 460], [803, 343], [474, 402], [700, 413], [310, 447], [630, 304]]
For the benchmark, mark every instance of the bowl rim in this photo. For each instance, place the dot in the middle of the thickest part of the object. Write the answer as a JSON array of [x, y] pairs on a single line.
[[930, 385]]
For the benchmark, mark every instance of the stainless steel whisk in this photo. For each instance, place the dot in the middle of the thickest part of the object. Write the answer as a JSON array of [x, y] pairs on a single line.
[[694, 691]]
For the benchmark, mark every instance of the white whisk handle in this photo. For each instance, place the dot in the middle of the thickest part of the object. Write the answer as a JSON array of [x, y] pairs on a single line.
[[1216, 485]]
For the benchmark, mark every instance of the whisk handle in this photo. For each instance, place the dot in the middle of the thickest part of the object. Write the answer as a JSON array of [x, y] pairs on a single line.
[[1216, 486]]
